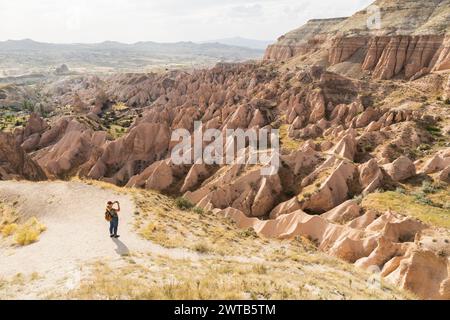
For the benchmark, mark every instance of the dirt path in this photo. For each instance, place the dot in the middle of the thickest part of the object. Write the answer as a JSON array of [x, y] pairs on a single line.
[[76, 232]]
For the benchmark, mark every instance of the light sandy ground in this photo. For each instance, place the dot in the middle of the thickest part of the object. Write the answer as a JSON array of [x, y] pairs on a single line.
[[76, 234]]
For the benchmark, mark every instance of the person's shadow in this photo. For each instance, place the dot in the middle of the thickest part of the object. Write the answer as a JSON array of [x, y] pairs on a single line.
[[121, 249]]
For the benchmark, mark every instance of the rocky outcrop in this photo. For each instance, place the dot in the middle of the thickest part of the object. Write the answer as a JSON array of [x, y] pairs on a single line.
[[447, 88], [445, 175], [401, 169], [390, 243], [437, 163], [327, 188], [370, 175], [29, 137], [15, 163], [125, 157], [75, 148], [346, 147], [234, 186], [443, 58], [343, 213], [422, 272], [390, 56]]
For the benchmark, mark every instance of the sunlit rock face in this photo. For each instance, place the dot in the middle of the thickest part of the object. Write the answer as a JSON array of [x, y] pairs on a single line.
[[389, 39]]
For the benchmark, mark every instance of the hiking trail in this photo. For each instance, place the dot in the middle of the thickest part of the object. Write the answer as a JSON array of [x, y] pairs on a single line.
[[77, 232]]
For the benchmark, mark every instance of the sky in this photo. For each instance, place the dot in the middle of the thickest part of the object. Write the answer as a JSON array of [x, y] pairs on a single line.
[[129, 21]]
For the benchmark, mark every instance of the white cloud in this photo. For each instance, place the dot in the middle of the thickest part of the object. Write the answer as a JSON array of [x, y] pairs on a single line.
[[161, 20]]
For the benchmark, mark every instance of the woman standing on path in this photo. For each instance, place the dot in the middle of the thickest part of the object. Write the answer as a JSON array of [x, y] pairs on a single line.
[[114, 222]]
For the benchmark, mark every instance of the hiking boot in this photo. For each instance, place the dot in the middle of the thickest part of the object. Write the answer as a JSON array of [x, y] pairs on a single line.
[[116, 236], [112, 236]]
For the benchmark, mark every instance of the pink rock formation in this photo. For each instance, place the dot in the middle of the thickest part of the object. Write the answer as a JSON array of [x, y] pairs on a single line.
[[29, 137], [15, 163], [371, 176], [74, 149], [390, 242], [437, 163], [126, 156], [333, 191], [343, 213], [401, 169]]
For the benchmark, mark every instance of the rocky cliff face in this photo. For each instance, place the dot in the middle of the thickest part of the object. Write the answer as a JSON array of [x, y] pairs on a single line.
[[401, 47], [303, 40], [386, 57]]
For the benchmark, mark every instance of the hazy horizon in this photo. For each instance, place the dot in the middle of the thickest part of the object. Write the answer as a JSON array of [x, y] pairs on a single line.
[[131, 43], [167, 21]]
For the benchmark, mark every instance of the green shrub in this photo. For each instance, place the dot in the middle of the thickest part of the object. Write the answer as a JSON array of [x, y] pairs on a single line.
[[183, 203], [290, 193], [428, 187], [433, 130], [422, 198], [358, 199], [424, 147], [400, 190], [198, 211]]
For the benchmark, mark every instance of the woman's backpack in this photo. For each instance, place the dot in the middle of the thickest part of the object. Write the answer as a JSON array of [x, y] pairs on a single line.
[[108, 216]]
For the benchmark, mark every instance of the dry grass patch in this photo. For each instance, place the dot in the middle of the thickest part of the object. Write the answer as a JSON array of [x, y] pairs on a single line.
[[8, 219], [319, 178], [12, 287], [29, 232], [286, 141], [440, 195], [120, 106], [23, 233], [209, 279], [409, 206], [9, 229], [161, 235], [201, 248]]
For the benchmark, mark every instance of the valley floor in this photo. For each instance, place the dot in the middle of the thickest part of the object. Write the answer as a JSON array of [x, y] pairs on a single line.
[[163, 252]]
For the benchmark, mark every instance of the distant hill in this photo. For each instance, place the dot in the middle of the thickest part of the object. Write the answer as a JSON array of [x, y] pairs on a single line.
[[243, 42], [115, 56]]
